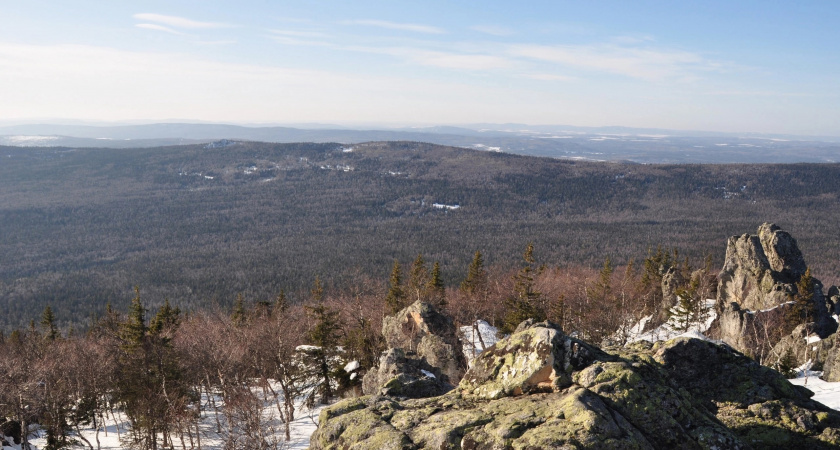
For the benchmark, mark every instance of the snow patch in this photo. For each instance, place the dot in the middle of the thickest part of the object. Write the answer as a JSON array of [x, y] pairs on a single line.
[[472, 341], [428, 374], [351, 366]]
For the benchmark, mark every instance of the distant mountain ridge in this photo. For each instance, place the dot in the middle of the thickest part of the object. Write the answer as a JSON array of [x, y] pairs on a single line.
[[639, 145]]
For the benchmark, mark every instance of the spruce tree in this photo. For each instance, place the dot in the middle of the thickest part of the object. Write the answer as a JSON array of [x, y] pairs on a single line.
[[803, 308], [476, 278], [238, 315], [281, 304], [435, 287], [317, 291], [395, 299], [48, 322], [524, 302], [325, 334], [167, 318], [418, 280]]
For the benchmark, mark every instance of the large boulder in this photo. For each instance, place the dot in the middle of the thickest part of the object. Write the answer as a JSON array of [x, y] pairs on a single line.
[[538, 357], [759, 275], [404, 374], [541, 389], [422, 329]]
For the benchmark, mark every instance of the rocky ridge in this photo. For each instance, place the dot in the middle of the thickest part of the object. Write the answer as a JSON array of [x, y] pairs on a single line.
[[539, 388]]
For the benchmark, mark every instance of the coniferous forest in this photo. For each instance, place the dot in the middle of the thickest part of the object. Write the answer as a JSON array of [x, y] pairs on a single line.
[[203, 225]]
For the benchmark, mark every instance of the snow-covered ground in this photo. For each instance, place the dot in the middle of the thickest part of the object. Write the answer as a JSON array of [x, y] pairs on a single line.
[[824, 392], [670, 329], [306, 420]]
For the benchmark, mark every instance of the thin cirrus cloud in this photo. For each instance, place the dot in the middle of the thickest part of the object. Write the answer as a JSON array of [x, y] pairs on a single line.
[[180, 22], [493, 30], [152, 26], [417, 28], [440, 59], [639, 63]]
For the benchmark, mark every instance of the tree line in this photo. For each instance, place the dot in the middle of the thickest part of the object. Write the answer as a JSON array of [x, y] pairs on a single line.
[[166, 369]]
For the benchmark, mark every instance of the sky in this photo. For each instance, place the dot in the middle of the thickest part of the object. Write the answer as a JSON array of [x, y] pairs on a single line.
[[734, 66]]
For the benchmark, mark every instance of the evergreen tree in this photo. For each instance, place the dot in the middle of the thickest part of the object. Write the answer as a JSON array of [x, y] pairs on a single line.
[[803, 309], [524, 302], [603, 287], [48, 322], [418, 280], [149, 382], [395, 299], [317, 291], [435, 287], [238, 315], [476, 278], [281, 304], [325, 334], [167, 318]]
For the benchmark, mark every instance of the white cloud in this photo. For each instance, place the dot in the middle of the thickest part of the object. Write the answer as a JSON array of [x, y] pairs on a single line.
[[152, 26], [437, 58], [641, 63], [179, 22], [548, 77], [493, 30], [397, 26], [293, 33], [95, 83]]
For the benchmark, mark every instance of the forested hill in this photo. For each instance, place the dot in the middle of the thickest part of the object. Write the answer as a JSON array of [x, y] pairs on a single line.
[[200, 224]]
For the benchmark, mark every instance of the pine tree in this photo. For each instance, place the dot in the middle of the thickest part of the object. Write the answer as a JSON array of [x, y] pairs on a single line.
[[48, 322], [395, 299]]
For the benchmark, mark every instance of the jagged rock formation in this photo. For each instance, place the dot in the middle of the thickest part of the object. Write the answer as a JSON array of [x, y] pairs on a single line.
[[427, 341], [760, 274], [542, 389], [671, 280]]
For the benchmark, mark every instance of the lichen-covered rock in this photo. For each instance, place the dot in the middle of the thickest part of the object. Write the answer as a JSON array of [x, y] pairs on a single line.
[[431, 335], [681, 394], [538, 357], [404, 374]]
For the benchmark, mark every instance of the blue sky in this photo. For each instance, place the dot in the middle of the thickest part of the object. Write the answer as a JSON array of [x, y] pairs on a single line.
[[749, 66]]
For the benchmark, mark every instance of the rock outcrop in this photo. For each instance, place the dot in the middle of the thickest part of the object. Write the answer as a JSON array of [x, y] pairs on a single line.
[[426, 340], [404, 374], [760, 275], [542, 389]]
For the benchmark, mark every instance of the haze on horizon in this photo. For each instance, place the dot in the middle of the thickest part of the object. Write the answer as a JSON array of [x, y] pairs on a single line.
[[747, 66]]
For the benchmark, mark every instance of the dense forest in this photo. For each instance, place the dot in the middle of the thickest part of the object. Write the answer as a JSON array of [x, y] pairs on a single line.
[[200, 225]]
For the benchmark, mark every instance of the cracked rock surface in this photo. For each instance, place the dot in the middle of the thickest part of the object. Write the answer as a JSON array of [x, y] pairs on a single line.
[[541, 389]]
